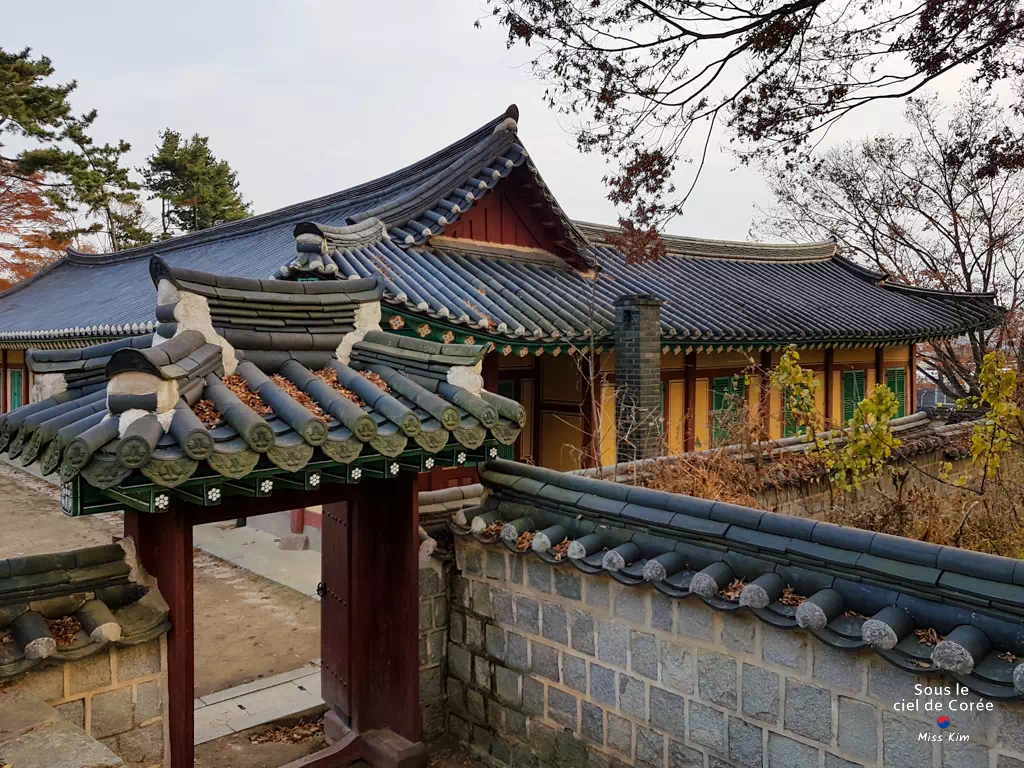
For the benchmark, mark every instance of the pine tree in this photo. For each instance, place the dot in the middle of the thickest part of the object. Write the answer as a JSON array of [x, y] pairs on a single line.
[[29, 110], [195, 189], [93, 182]]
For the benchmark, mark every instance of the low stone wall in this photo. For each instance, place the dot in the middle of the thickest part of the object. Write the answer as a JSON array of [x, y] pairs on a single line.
[[117, 696], [553, 666], [432, 643]]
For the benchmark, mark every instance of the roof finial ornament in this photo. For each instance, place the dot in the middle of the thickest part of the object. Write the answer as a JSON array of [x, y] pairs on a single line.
[[511, 121]]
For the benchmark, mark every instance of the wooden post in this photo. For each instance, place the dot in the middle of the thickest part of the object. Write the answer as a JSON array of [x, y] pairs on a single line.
[[384, 607], [690, 416], [829, 393], [3, 381], [911, 406], [591, 414], [490, 371], [164, 545], [879, 366]]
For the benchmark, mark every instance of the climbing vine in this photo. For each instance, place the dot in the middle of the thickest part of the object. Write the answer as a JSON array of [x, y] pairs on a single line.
[[798, 387]]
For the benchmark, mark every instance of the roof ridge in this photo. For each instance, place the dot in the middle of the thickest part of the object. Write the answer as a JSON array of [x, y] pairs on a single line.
[[591, 229], [304, 210]]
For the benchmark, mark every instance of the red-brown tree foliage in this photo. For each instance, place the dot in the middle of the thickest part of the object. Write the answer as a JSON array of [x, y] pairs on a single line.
[[26, 220]]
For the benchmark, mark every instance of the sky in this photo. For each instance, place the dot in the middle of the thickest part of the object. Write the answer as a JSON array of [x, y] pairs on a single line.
[[305, 98]]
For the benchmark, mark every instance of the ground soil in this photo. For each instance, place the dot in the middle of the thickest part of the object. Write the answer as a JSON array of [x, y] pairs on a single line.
[[246, 627]]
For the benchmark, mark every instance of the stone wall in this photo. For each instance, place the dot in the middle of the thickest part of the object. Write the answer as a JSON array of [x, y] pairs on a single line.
[[550, 666], [433, 641], [118, 696]]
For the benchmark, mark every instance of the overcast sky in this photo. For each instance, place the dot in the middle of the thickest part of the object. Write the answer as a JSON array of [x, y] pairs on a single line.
[[306, 98]]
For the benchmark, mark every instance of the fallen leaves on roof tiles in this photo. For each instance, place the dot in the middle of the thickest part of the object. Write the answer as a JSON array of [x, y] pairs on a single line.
[[376, 380], [237, 384], [7, 639], [525, 541], [207, 413], [64, 630], [928, 637], [561, 549], [300, 397], [493, 531], [330, 377], [733, 591], [1011, 657], [791, 597]]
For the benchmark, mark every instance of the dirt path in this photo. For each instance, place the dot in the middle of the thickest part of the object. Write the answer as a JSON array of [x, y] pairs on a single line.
[[247, 627]]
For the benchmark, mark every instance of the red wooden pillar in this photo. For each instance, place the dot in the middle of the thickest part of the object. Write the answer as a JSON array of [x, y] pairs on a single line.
[[164, 545], [371, 607], [690, 417]]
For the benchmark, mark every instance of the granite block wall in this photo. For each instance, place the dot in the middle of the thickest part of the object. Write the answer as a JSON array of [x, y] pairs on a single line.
[[117, 695], [548, 666], [433, 640]]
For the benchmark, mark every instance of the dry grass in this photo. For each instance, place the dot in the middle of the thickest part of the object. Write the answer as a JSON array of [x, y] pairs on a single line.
[[721, 477], [525, 541]]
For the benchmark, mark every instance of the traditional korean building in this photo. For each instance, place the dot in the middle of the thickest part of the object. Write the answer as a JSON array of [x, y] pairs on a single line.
[[472, 248]]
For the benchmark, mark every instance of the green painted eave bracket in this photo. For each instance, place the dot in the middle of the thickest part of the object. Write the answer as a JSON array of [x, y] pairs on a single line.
[[209, 489]]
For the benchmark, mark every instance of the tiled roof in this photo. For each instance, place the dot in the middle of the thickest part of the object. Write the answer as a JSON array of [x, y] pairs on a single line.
[[715, 292], [320, 384], [862, 589], [69, 605]]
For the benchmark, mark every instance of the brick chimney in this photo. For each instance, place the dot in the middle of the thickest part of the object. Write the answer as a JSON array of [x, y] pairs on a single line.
[[638, 417]]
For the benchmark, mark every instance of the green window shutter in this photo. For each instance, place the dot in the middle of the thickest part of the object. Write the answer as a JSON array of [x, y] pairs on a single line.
[[16, 389], [729, 393], [788, 422], [853, 392], [896, 381]]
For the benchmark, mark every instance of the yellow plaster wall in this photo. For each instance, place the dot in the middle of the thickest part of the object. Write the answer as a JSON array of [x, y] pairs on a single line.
[[563, 441], [607, 433], [672, 362], [896, 355], [724, 359], [864, 355], [675, 398], [700, 417]]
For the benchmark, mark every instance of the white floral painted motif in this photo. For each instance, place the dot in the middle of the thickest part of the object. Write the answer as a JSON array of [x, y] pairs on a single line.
[[162, 501], [314, 479], [461, 458], [357, 473], [394, 468], [213, 494], [267, 486], [429, 464]]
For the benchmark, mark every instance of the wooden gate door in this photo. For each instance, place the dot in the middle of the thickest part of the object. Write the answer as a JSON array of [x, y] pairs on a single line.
[[335, 607]]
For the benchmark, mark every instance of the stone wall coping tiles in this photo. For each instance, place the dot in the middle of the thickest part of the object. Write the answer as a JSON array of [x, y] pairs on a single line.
[[796, 696], [851, 580]]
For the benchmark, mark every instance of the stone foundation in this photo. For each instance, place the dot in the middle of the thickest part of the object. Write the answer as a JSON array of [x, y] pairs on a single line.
[[117, 696], [551, 666]]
